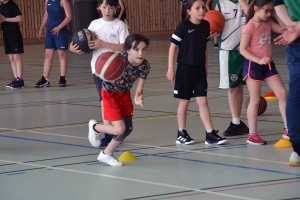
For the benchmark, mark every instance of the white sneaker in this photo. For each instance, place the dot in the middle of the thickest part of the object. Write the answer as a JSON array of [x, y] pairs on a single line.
[[294, 160], [109, 159], [93, 135]]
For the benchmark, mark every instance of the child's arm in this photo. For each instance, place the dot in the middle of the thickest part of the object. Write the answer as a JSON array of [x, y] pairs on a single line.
[[208, 2], [138, 98], [122, 9], [96, 44], [276, 27], [245, 40], [171, 73], [244, 5], [75, 48], [13, 19], [68, 11], [44, 22], [217, 7]]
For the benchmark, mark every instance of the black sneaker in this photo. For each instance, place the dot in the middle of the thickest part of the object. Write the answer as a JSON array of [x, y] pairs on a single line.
[[214, 138], [18, 84], [184, 138], [216, 46], [244, 127], [62, 82], [42, 83], [234, 130], [11, 83]]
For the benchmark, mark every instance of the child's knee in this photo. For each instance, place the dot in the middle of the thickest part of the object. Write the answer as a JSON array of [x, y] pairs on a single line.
[[120, 130]]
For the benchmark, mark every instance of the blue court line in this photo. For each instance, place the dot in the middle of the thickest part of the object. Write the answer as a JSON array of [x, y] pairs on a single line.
[[94, 163], [161, 156], [17, 173], [226, 148]]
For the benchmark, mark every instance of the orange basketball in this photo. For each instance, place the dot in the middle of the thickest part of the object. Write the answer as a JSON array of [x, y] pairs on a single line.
[[109, 66], [262, 105], [215, 19]]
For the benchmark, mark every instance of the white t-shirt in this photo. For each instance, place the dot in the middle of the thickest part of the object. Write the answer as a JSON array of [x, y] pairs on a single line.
[[114, 32]]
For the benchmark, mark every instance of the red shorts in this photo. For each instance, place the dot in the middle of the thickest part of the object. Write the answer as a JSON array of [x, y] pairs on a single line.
[[116, 105]]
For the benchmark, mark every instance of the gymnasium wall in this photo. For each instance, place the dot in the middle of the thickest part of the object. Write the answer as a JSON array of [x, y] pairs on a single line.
[[146, 16]]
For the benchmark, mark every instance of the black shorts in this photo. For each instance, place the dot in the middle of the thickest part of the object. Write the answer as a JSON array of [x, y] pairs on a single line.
[[190, 82], [13, 42]]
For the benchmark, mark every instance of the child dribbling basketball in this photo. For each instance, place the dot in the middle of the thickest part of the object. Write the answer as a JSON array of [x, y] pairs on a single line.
[[117, 103], [10, 17], [256, 47], [111, 34], [191, 76]]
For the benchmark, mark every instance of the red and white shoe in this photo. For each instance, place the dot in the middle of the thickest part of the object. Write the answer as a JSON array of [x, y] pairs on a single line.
[[285, 134], [255, 140]]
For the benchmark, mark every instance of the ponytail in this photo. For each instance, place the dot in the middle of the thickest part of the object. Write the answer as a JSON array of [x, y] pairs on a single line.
[[250, 13]]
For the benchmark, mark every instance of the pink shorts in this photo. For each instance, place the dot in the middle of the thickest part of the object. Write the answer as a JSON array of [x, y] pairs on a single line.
[[116, 105]]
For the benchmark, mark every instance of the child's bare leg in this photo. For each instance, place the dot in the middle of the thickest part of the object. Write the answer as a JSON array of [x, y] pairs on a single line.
[[19, 65], [254, 89], [13, 65], [276, 85], [115, 128], [181, 112], [204, 113]]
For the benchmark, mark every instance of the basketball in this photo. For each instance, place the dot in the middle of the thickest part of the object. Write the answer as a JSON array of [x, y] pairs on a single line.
[[82, 38], [215, 19], [262, 105], [109, 66]]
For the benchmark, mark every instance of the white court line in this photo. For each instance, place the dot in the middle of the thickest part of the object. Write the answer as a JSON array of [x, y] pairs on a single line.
[[128, 179], [171, 91], [158, 147]]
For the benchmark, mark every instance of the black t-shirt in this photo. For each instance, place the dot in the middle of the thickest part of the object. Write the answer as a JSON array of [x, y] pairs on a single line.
[[10, 10], [191, 39]]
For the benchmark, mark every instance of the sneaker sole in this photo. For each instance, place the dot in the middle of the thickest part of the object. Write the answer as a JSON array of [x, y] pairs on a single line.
[[249, 142], [62, 85], [90, 136], [285, 137], [291, 164], [119, 165], [41, 86], [187, 143], [220, 142]]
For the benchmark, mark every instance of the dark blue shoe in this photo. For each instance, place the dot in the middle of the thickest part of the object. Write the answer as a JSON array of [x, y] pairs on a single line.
[[104, 141]]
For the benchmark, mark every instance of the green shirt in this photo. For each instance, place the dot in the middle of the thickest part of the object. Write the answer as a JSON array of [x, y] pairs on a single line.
[[292, 7]]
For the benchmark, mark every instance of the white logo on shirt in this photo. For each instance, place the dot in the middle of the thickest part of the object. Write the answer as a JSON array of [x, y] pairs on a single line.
[[264, 38], [189, 31]]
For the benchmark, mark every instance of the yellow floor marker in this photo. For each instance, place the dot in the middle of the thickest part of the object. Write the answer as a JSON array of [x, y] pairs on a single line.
[[283, 143], [127, 157]]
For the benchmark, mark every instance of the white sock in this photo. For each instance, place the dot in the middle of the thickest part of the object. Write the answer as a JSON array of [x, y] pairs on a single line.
[[209, 131], [181, 129], [236, 120], [252, 132]]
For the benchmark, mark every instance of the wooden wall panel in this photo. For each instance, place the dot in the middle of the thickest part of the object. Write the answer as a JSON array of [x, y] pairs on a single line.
[[145, 16]]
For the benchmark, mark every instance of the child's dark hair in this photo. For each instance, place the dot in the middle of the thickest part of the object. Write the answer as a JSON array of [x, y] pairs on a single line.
[[114, 3], [136, 38], [188, 6], [259, 4]]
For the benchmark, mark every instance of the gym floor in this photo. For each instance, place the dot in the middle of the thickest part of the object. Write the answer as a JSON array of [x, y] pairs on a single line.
[[45, 153]]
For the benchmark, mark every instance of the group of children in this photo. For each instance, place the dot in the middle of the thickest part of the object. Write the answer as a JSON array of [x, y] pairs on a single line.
[[248, 59]]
